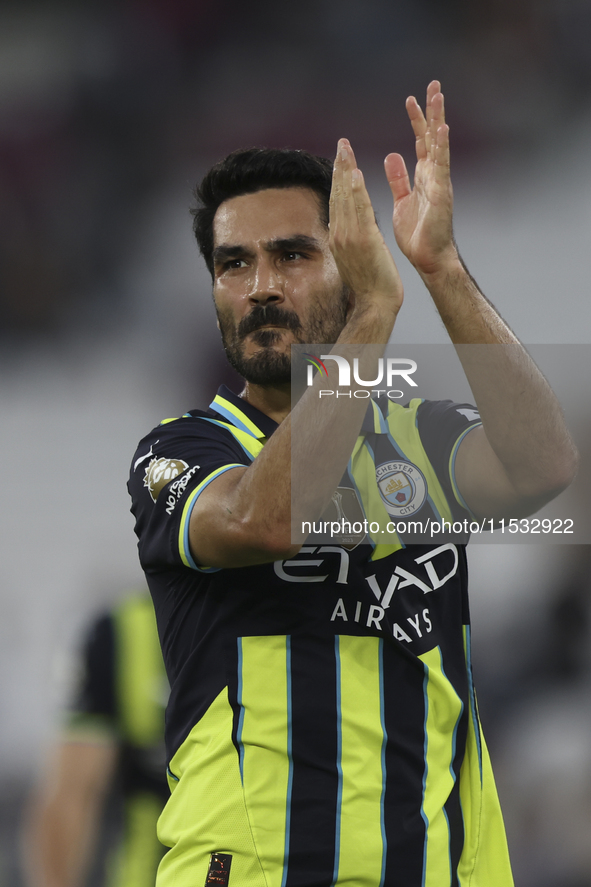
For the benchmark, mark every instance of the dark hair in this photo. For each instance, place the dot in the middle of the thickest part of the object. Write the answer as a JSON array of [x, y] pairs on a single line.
[[254, 169]]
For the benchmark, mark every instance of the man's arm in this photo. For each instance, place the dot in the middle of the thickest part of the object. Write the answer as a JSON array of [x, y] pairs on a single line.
[[65, 812], [523, 455], [244, 517]]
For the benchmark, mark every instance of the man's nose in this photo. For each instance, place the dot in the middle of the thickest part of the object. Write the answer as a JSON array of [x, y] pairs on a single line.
[[267, 285]]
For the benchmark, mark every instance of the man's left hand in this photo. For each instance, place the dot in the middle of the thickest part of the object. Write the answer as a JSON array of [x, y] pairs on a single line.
[[423, 214]]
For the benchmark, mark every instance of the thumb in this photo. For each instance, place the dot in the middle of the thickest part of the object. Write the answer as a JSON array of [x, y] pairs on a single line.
[[397, 176]]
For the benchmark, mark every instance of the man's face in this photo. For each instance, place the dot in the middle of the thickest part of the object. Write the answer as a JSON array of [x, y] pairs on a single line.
[[275, 281]]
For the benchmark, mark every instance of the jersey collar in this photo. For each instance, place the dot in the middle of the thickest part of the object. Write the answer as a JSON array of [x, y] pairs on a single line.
[[241, 414], [246, 417]]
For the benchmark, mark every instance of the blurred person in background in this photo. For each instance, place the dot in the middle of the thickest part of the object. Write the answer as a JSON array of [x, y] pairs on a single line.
[[543, 746], [308, 748], [93, 816]]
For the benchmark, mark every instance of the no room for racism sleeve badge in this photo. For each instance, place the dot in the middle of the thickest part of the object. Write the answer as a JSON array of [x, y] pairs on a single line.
[[160, 472], [402, 486]]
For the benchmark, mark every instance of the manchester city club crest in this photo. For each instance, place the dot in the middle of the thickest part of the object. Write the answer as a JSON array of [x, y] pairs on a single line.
[[402, 486]]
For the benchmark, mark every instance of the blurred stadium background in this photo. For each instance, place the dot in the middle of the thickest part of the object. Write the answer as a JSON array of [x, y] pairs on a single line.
[[109, 113]]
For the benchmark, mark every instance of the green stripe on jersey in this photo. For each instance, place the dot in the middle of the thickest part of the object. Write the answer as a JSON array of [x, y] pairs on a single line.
[[402, 423], [206, 811], [485, 856], [228, 407], [363, 471], [264, 740], [360, 843], [250, 443], [443, 708]]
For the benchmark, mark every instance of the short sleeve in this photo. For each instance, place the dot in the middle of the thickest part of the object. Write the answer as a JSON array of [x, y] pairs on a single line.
[[442, 426], [171, 468]]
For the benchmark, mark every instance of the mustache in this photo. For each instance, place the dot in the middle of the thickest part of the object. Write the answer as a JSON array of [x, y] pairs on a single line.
[[263, 315]]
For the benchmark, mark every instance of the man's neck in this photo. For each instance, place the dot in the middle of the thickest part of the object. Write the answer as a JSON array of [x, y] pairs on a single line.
[[274, 402]]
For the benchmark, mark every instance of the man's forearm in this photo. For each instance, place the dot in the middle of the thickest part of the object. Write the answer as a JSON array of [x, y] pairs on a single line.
[[469, 317], [521, 416], [261, 508]]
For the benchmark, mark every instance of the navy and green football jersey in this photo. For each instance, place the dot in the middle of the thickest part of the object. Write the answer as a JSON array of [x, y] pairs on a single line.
[[322, 727]]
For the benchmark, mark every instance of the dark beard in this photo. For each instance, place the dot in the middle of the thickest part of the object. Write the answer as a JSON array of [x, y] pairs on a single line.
[[269, 367], [266, 368]]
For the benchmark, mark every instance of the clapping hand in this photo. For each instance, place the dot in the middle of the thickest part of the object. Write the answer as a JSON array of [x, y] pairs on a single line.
[[423, 214], [364, 261]]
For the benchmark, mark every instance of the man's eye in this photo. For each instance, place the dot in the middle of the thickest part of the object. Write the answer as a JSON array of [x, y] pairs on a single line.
[[291, 256], [234, 263]]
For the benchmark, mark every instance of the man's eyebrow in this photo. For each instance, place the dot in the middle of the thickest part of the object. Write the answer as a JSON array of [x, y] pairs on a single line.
[[296, 243], [229, 251]]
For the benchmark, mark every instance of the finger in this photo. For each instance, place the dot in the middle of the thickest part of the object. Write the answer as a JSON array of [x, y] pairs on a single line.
[[433, 90], [442, 156], [341, 208], [350, 158], [419, 126], [347, 163], [437, 110], [357, 209], [437, 119], [397, 176], [365, 213], [336, 190]]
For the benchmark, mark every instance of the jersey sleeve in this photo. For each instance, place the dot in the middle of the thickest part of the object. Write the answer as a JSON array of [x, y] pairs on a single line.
[[170, 470], [442, 427]]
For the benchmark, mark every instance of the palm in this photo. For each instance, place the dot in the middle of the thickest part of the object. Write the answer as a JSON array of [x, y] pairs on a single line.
[[423, 215]]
